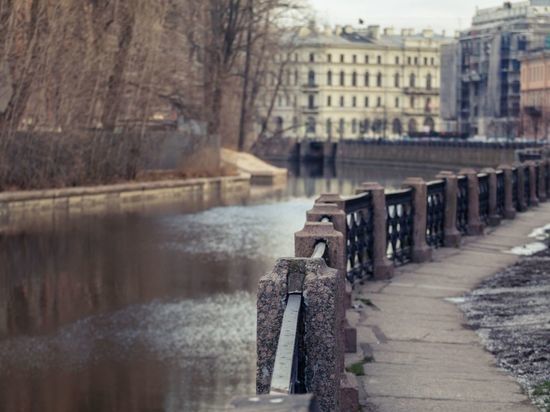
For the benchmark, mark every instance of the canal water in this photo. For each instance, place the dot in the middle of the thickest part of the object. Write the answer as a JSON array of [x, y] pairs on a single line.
[[152, 310]]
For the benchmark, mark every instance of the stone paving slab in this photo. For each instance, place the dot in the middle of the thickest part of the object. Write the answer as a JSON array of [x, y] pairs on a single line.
[[425, 356]]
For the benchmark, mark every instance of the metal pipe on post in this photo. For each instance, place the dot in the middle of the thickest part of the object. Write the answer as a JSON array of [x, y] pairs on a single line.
[[453, 237]]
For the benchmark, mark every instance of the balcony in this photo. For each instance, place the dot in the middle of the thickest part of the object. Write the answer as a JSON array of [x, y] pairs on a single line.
[[310, 109], [310, 87], [421, 91]]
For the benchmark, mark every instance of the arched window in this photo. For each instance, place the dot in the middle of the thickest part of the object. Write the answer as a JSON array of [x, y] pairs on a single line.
[[311, 78], [341, 127], [365, 126], [354, 126], [396, 80], [397, 128], [429, 124], [367, 79], [354, 79], [329, 128], [429, 82], [279, 123], [412, 126], [379, 80], [412, 80], [342, 78], [310, 125], [377, 126], [329, 78]]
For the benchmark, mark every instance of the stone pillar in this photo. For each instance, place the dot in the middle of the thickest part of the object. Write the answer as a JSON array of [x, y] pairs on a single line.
[[383, 267], [522, 201], [509, 206], [475, 227], [452, 235], [494, 217], [542, 180], [338, 219], [333, 198], [534, 200], [421, 251], [322, 319]]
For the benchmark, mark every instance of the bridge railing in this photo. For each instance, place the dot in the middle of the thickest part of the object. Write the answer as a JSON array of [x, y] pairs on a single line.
[[302, 332]]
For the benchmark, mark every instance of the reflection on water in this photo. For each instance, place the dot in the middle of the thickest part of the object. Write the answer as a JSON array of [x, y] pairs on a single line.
[[148, 311]]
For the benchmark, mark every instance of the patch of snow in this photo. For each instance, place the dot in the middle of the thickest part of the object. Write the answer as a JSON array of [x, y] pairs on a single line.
[[529, 249], [541, 233]]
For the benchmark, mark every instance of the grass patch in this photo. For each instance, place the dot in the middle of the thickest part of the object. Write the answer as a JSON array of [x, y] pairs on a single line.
[[358, 368]]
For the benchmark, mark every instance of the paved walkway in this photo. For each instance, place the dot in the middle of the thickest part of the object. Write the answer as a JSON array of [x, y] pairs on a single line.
[[425, 357]]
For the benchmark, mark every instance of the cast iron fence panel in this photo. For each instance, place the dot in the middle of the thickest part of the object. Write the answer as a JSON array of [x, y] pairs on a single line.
[[399, 225], [501, 195], [462, 205], [484, 198], [515, 189], [435, 231], [360, 241], [527, 185]]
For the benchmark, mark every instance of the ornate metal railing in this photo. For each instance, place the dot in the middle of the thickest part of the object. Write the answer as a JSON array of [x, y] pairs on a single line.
[[462, 205], [501, 193], [359, 242], [435, 230], [484, 198], [527, 186], [399, 225], [515, 189]]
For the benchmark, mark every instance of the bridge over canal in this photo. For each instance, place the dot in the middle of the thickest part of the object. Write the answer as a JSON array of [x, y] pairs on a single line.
[[404, 253]]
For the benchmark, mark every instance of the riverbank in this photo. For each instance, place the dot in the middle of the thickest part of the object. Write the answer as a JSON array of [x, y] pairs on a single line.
[[28, 205], [511, 314]]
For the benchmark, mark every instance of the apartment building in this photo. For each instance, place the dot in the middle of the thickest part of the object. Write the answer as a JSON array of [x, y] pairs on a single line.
[[356, 83], [535, 94], [482, 70]]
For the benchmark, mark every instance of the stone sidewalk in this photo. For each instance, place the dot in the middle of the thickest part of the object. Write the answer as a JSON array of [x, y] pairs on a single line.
[[424, 356]]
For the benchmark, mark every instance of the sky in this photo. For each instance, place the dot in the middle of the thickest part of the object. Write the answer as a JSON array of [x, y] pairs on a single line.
[[449, 15]]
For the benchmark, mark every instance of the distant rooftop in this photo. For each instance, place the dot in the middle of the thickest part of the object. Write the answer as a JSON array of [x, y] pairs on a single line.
[[511, 11]]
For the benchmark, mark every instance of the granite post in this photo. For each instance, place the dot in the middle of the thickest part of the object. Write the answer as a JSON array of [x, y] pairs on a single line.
[[452, 235], [383, 267], [421, 252], [475, 227], [522, 201], [542, 180], [533, 198], [509, 206], [494, 217]]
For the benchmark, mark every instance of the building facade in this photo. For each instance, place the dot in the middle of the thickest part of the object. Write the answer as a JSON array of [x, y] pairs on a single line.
[[486, 69], [535, 95], [347, 83]]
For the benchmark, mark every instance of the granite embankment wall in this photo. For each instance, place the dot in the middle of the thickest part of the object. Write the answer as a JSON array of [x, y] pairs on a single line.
[[28, 205]]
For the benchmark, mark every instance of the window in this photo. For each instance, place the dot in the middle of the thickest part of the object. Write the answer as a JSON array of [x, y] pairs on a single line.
[[367, 79], [378, 102], [311, 57], [429, 82], [329, 58], [341, 127], [310, 125], [379, 59], [354, 79], [294, 122], [416, 61], [366, 59], [396, 59], [412, 80], [412, 102], [354, 58], [433, 61], [311, 78], [367, 101], [342, 78], [311, 101], [342, 58], [428, 107], [296, 78], [354, 126], [354, 101], [379, 80], [409, 60], [329, 127], [396, 80], [329, 78], [341, 101], [397, 128], [397, 102], [425, 61], [329, 101]]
